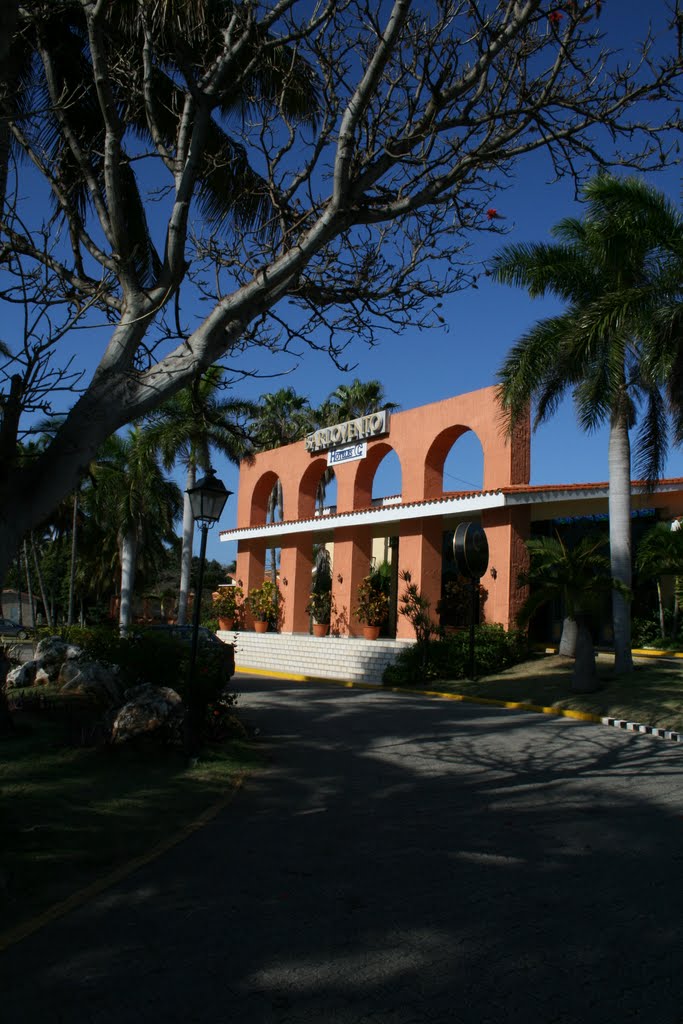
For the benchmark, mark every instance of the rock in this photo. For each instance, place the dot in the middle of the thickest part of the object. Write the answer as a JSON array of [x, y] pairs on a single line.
[[145, 691], [44, 677], [51, 650], [92, 678], [22, 675], [51, 653], [147, 710]]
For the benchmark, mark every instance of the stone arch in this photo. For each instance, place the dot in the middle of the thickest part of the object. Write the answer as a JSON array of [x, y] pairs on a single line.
[[436, 458], [259, 497]]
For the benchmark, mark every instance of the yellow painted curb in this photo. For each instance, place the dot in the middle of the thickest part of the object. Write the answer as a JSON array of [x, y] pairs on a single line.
[[582, 716], [77, 899], [294, 678], [650, 652]]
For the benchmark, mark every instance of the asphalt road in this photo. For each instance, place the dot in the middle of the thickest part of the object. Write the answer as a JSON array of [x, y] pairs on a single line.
[[402, 860]]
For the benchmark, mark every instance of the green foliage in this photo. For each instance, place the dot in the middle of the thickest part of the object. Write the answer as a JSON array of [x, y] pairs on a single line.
[[229, 604], [152, 657], [495, 649], [264, 602], [456, 603], [373, 601], [416, 609], [577, 575], [320, 605], [320, 600]]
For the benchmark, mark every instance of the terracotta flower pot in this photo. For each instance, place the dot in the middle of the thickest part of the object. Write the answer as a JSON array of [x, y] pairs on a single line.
[[321, 628], [370, 632], [260, 627], [225, 624]]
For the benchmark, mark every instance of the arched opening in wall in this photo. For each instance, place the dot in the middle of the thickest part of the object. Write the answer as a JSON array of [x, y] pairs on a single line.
[[320, 605], [463, 469], [274, 514], [387, 486], [387, 483], [326, 493]]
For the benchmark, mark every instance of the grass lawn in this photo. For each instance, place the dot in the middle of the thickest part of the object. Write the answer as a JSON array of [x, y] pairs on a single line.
[[69, 815], [652, 695]]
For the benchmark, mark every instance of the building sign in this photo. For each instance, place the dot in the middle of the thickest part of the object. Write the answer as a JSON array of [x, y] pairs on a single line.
[[350, 453], [363, 428]]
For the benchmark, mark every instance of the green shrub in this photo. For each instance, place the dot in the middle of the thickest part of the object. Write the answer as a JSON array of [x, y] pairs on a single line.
[[495, 649], [150, 657]]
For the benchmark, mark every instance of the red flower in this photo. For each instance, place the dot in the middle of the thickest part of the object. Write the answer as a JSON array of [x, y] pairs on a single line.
[[555, 17], [492, 214]]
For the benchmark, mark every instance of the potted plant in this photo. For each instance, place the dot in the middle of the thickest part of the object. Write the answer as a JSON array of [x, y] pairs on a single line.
[[320, 607], [264, 605], [373, 606], [227, 604]]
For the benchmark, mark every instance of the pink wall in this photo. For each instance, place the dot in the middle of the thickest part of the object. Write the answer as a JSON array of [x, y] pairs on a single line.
[[422, 439]]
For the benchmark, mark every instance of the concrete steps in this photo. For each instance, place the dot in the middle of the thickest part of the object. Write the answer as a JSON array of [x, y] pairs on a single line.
[[331, 657]]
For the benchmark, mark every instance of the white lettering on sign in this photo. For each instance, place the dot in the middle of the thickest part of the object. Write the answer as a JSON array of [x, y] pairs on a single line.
[[342, 433], [351, 453]]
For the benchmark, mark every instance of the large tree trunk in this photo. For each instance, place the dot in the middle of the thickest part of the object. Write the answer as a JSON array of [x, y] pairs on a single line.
[[128, 549], [186, 550], [620, 539]]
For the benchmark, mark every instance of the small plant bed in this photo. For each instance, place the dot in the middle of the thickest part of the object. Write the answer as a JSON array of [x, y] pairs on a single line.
[[71, 813], [652, 695]]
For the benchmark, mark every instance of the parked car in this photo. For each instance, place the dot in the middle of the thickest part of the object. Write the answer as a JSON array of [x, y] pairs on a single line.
[[205, 638], [10, 628]]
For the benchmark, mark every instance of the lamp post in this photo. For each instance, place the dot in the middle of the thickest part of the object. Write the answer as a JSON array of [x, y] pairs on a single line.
[[207, 500]]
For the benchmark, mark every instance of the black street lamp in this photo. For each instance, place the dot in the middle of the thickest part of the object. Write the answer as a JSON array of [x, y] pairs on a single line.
[[207, 500]]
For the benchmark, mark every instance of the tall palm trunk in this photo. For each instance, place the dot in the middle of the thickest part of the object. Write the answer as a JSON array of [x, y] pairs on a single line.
[[20, 603], [72, 573], [567, 648], [660, 605], [186, 549], [29, 587], [620, 537], [43, 597], [128, 551]]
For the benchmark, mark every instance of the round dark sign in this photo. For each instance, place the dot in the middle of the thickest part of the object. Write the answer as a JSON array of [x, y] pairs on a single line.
[[471, 550]]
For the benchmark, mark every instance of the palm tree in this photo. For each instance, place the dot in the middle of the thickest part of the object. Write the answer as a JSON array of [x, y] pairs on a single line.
[[229, 189], [577, 576], [660, 553], [615, 269], [359, 398], [188, 428], [132, 499]]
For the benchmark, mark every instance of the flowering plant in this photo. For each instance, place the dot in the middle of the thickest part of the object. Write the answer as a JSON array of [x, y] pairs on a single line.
[[228, 602], [264, 601], [373, 603], [320, 605]]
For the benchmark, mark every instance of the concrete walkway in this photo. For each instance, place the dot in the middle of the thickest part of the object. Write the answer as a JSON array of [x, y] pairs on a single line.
[[402, 860]]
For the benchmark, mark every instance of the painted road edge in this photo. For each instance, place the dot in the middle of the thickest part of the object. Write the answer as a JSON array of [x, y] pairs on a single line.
[[581, 716], [77, 899]]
